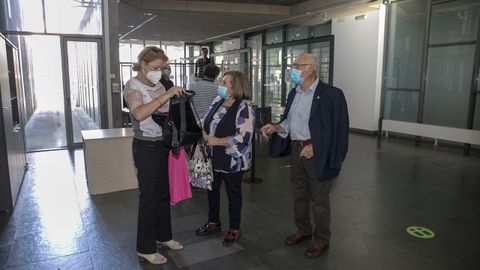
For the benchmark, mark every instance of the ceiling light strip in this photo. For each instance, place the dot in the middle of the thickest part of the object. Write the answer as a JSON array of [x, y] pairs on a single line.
[[138, 27]]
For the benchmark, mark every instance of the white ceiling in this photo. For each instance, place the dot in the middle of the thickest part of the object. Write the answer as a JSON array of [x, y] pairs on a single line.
[[202, 21]]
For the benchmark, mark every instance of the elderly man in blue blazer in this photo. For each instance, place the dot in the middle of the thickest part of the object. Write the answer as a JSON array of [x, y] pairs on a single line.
[[316, 118]]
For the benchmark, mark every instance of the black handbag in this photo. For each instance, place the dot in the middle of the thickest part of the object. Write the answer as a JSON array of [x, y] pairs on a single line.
[[278, 146], [181, 127]]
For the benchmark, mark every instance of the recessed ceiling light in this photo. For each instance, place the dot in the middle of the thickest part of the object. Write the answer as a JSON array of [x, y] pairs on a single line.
[[120, 34], [148, 14], [130, 26]]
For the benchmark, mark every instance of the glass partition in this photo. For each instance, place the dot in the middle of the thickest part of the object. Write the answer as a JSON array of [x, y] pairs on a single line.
[[74, 16], [405, 39], [455, 21], [273, 82], [449, 79], [24, 15]]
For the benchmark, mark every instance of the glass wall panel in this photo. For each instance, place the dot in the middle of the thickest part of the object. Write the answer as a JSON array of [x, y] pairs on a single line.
[[454, 21], [255, 43], [295, 32], [24, 15], [125, 54], [447, 92], [406, 31], [322, 51], [401, 105], [273, 82], [73, 16], [274, 35], [322, 29], [292, 53]]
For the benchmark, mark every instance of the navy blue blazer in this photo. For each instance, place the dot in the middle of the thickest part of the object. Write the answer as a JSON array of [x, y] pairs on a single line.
[[329, 127]]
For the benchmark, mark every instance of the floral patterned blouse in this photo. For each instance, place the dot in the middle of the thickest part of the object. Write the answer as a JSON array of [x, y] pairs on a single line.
[[240, 147]]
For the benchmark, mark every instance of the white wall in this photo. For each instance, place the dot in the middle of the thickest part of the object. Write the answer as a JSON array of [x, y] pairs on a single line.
[[358, 66]]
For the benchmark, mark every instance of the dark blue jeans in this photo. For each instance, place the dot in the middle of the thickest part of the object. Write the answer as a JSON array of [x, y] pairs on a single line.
[[154, 222]]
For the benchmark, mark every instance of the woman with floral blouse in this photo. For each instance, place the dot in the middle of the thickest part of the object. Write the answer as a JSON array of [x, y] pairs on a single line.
[[228, 126]]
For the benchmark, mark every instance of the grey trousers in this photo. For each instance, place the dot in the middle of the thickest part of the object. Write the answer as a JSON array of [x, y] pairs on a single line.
[[310, 194]]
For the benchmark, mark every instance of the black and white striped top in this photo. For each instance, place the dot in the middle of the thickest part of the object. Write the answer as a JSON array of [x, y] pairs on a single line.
[[205, 93]]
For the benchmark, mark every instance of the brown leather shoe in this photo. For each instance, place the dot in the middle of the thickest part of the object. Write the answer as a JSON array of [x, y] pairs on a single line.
[[296, 238], [208, 228], [316, 249]]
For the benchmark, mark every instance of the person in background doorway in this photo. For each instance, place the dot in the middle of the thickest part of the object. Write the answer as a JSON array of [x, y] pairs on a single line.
[[228, 134], [317, 121], [145, 96], [201, 63], [205, 90], [165, 80]]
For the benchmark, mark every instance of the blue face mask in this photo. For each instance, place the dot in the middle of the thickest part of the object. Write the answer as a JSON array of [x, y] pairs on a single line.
[[222, 92], [295, 75]]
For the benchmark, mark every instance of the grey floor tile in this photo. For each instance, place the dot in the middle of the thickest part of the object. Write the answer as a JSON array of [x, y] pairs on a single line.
[[239, 260], [201, 252], [81, 261]]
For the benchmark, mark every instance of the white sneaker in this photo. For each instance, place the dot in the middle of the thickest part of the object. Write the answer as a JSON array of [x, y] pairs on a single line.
[[154, 258], [172, 244]]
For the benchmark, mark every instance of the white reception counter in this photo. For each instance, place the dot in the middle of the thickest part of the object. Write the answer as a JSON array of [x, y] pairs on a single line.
[[108, 160]]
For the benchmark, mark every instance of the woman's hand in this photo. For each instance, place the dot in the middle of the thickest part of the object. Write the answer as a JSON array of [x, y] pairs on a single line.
[[175, 91], [214, 141]]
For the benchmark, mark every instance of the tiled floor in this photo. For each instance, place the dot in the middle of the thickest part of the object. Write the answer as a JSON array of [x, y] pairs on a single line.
[[382, 190], [46, 128]]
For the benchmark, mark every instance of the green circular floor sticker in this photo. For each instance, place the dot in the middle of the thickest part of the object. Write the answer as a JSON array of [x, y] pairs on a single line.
[[420, 232]]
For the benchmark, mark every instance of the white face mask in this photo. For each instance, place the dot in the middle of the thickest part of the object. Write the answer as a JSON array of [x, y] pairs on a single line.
[[154, 76]]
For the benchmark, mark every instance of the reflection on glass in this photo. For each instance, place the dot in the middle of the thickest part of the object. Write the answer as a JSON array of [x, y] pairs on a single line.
[[84, 86], [322, 51], [401, 105], [273, 35], [405, 39], [447, 92], [273, 82], [322, 29], [295, 32], [23, 15], [454, 21], [74, 17]]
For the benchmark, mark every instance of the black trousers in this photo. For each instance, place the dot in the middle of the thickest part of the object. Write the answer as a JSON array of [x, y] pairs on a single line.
[[310, 194], [233, 182], [154, 223]]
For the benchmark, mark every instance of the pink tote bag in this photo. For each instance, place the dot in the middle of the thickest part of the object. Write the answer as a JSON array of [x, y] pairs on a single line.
[[178, 177]]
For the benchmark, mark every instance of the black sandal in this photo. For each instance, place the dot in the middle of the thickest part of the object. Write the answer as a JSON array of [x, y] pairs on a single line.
[[232, 237], [208, 227]]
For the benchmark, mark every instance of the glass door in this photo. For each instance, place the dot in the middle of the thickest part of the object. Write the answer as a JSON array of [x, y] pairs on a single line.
[[81, 87]]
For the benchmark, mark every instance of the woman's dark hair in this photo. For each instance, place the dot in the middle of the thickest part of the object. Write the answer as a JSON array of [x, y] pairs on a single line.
[[240, 85], [211, 71]]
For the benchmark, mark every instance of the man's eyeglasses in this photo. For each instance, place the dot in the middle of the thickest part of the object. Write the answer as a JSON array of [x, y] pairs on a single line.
[[296, 65]]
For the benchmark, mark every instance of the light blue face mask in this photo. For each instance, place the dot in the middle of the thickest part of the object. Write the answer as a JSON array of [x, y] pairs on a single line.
[[166, 72], [222, 92], [295, 75]]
